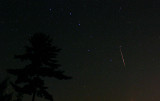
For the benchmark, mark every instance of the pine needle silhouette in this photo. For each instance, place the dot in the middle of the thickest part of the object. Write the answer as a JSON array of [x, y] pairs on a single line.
[[42, 56]]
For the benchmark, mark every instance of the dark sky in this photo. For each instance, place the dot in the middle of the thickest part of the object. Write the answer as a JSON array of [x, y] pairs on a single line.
[[90, 33]]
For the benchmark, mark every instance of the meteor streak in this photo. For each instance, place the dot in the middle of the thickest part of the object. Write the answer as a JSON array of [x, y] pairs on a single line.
[[122, 57]]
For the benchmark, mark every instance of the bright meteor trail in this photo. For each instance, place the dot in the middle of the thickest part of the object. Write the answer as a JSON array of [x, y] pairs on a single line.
[[122, 57]]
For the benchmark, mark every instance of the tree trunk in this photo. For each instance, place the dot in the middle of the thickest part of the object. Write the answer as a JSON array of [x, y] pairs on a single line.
[[33, 97]]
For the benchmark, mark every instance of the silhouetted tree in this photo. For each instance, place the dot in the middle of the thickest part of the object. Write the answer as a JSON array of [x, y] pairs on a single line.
[[42, 56], [19, 96], [4, 95]]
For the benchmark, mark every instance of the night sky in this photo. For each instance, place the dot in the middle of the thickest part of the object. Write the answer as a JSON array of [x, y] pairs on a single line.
[[90, 34]]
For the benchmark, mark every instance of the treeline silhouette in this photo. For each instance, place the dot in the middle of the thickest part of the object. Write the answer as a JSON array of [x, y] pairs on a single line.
[[43, 63], [4, 95]]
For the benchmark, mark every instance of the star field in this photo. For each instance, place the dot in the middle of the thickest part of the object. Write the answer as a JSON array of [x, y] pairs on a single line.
[[90, 34]]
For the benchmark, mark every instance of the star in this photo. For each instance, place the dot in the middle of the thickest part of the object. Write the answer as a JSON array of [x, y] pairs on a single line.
[[120, 8], [91, 36], [70, 13], [89, 50], [110, 60], [50, 9]]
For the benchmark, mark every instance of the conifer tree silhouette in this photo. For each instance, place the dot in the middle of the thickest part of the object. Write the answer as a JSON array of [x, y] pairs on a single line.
[[19, 97], [4, 96], [42, 56]]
